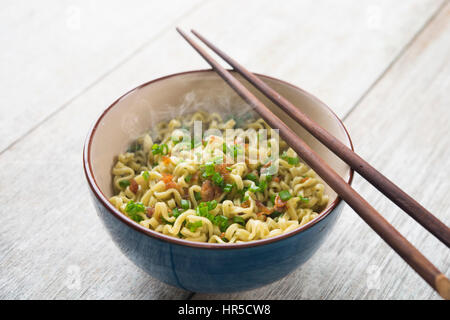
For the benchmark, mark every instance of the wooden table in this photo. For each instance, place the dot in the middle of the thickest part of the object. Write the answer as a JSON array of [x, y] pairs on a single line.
[[383, 66]]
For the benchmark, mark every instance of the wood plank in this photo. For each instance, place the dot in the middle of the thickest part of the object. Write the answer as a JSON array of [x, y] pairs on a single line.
[[50, 248], [320, 46], [59, 58], [335, 50], [54, 50], [48, 228], [401, 127]]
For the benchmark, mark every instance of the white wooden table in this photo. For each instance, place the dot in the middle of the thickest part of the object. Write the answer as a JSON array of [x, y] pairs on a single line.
[[383, 66]]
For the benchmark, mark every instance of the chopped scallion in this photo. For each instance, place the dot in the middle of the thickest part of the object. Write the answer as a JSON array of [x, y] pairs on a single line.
[[275, 214], [290, 160], [217, 178], [228, 187], [239, 220], [212, 204], [160, 149], [176, 212], [285, 195], [185, 204], [272, 198], [202, 211], [133, 208], [304, 199], [124, 183], [251, 177], [194, 226], [253, 188]]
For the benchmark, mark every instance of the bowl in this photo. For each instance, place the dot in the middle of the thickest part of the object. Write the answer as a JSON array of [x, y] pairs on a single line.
[[194, 266]]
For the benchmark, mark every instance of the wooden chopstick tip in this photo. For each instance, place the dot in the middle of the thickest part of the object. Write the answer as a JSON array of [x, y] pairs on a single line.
[[443, 286], [184, 34], [180, 31]]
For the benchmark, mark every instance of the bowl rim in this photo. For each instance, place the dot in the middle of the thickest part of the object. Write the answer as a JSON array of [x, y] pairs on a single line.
[[193, 244]]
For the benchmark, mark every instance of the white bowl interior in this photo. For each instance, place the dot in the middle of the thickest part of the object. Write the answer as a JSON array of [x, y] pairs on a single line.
[[139, 110]]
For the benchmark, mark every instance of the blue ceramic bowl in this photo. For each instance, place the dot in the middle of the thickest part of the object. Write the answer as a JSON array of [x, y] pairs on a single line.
[[193, 266]]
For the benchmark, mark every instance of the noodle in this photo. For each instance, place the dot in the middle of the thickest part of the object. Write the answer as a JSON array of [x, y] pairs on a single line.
[[215, 189]]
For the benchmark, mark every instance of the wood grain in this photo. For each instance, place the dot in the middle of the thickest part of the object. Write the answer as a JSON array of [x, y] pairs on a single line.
[[50, 236], [361, 166], [57, 54], [322, 46], [402, 128], [54, 50]]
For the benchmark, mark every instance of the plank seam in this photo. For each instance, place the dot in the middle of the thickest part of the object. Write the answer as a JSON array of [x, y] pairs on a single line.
[[401, 53], [103, 76], [388, 68]]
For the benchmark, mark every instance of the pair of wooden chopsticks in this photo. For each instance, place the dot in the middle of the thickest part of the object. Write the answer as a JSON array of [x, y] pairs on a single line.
[[401, 245]]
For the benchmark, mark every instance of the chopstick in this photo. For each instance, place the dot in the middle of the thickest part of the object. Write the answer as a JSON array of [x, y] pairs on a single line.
[[436, 279], [377, 179]]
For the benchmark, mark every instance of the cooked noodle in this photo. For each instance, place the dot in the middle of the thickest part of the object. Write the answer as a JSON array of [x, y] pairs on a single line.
[[208, 190]]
